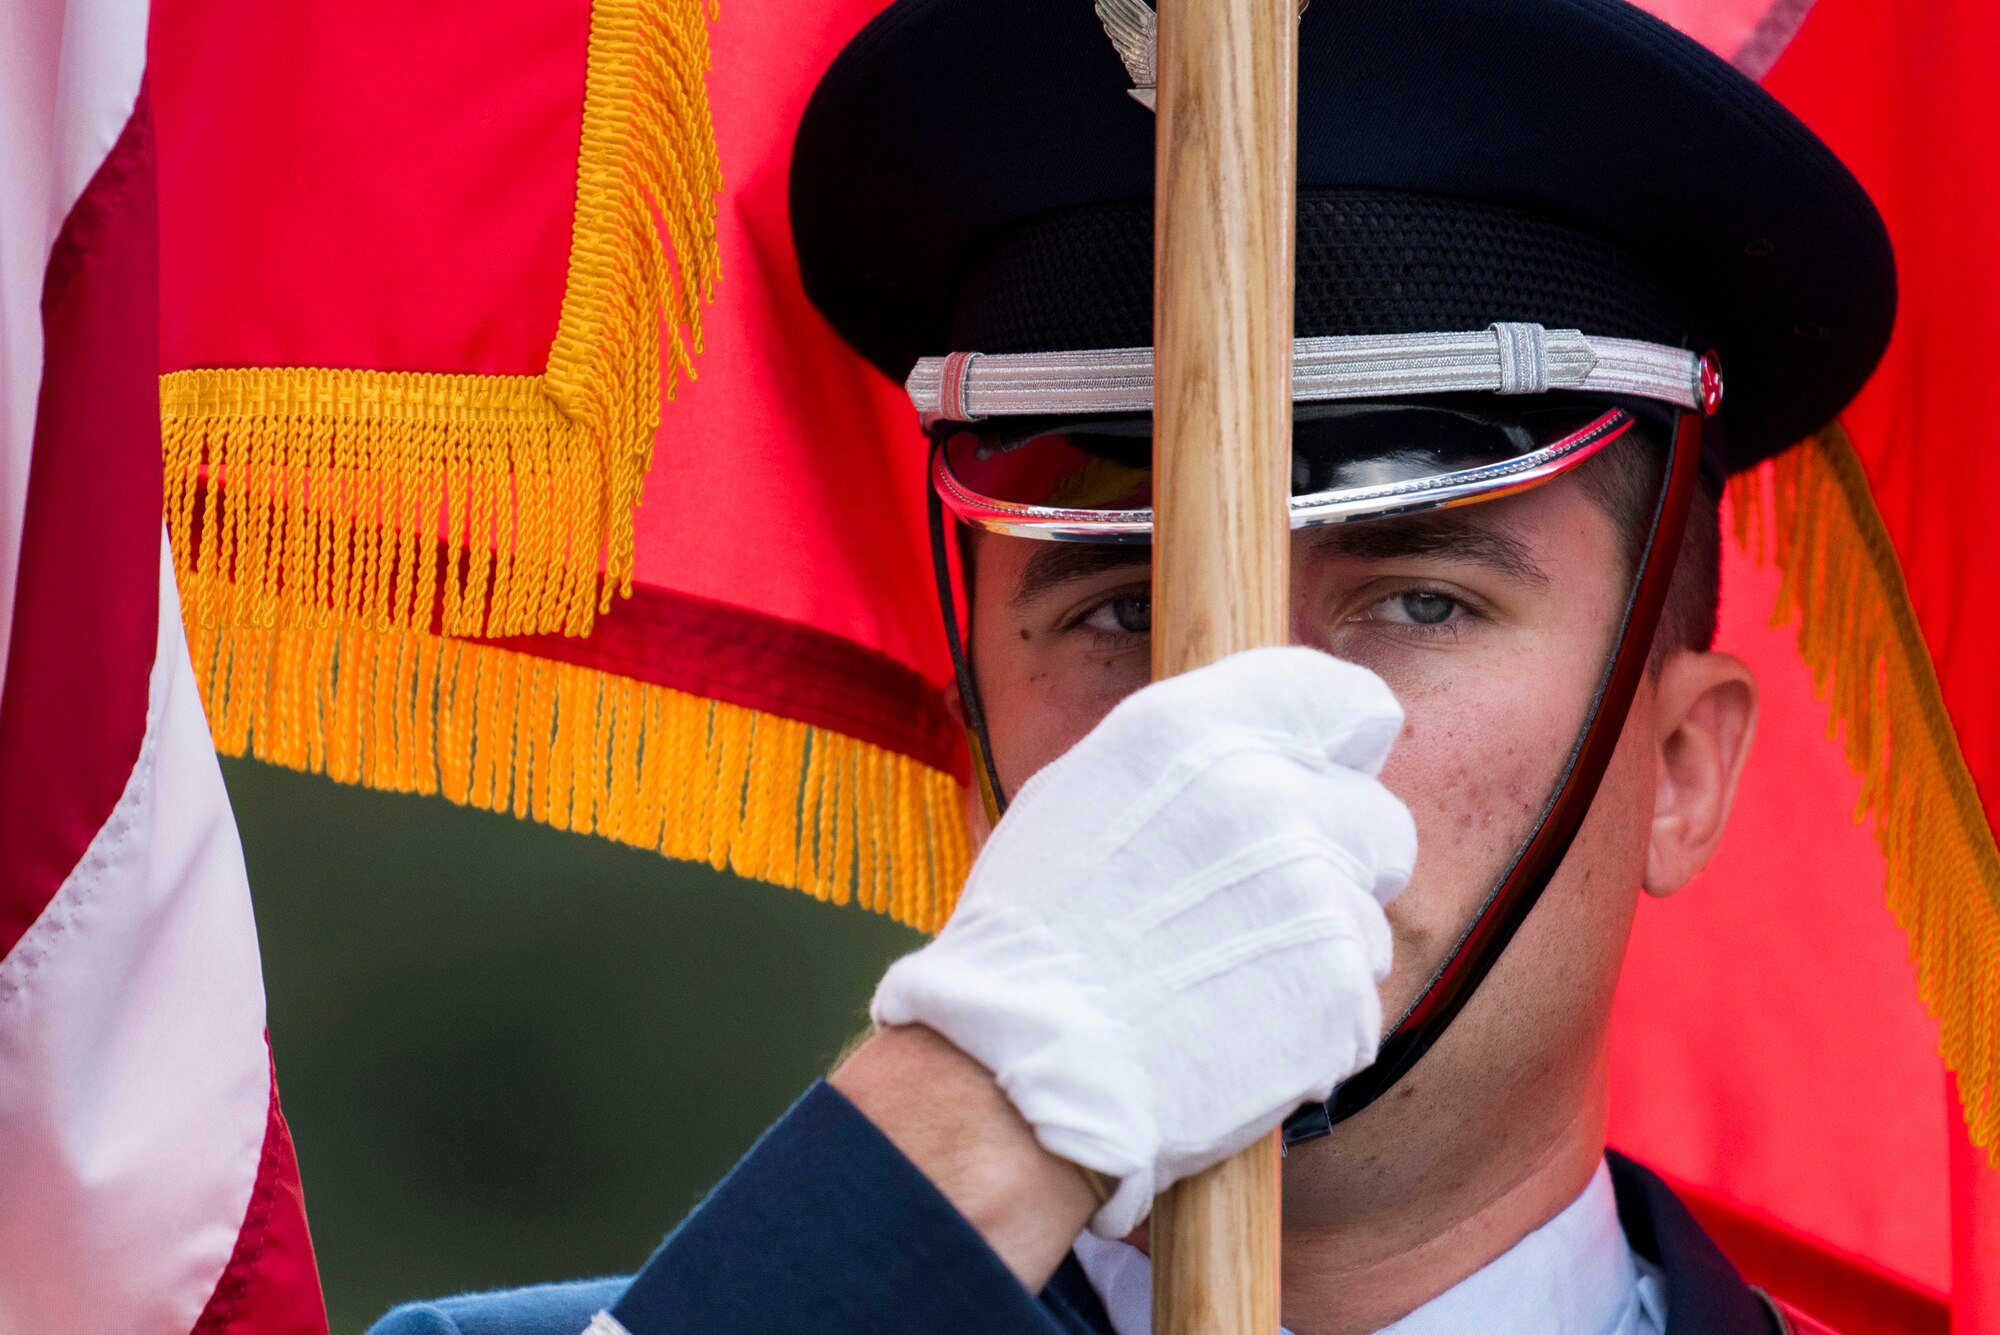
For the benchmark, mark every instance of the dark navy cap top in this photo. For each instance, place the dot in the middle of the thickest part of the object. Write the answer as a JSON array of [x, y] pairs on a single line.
[[971, 175]]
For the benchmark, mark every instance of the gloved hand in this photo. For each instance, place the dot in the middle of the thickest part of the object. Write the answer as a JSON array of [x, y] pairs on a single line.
[[1174, 935]]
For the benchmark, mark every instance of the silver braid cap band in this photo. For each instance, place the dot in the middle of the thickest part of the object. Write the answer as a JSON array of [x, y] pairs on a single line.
[[1502, 359]]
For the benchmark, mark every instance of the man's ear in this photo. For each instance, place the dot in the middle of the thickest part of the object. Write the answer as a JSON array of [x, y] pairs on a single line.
[[977, 822], [1706, 711]]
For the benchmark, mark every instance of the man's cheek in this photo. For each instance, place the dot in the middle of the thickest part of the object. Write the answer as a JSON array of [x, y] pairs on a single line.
[[1474, 789], [1047, 720]]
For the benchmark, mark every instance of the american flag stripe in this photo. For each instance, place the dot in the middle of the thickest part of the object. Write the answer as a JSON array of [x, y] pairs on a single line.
[[147, 1183], [86, 595]]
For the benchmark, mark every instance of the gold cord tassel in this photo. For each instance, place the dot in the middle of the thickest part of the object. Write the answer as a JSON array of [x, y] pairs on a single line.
[[1811, 512], [306, 496], [583, 750]]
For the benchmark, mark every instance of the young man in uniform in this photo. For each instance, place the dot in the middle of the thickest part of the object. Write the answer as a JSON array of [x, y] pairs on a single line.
[[1295, 888]]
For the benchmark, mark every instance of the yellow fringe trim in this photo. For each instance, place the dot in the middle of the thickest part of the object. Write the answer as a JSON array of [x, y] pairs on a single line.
[[1810, 510], [580, 749], [326, 491]]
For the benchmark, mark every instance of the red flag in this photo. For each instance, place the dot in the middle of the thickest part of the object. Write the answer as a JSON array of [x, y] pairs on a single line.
[[387, 282], [1810, 1042]]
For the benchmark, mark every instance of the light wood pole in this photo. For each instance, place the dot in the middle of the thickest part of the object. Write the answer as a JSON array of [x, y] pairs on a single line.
[[1222, 420]]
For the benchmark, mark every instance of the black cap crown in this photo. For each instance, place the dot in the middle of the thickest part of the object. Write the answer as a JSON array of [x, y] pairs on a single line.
[[971, 175]]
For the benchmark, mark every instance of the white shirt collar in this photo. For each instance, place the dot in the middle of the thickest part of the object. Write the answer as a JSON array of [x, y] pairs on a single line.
[[1575, 1275]]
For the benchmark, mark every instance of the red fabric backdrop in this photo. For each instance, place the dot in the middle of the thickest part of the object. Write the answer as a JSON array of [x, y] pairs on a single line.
[[367, 184], [1770, 1046]]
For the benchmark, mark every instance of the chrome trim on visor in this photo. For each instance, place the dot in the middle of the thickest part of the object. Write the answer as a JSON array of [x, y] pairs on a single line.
[[1502, 359], [1487, 482]]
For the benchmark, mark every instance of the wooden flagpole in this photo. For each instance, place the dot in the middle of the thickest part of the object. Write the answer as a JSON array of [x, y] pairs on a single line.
[[1224, 218]]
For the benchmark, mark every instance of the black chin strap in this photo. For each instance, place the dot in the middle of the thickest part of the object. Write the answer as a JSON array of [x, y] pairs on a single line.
[[978, 740], [1534, 864]]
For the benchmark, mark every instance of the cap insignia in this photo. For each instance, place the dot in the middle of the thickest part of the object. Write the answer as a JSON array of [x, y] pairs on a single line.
[[1134, 29]]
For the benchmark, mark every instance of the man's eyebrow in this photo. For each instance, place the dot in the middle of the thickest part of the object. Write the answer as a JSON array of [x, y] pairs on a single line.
[[1449, 535], [1061, 562]]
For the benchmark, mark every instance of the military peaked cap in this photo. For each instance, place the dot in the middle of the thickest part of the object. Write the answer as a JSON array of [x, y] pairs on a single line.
[[973, 175]]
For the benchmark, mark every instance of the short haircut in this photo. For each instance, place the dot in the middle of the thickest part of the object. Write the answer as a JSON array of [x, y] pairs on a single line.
[[1624, 481]]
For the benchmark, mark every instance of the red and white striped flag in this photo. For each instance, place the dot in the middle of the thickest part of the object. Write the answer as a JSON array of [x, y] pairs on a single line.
[[147, 1181]]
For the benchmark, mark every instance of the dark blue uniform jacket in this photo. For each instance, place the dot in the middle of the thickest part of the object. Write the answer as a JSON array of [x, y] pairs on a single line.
[[825, 1227]]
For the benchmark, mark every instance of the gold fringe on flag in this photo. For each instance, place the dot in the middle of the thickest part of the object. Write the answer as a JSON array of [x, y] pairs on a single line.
[[300, 496], [584, 750], [1810, 510]]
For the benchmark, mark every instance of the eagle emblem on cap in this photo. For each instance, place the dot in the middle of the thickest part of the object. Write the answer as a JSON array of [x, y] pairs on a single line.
[[1134, 30]]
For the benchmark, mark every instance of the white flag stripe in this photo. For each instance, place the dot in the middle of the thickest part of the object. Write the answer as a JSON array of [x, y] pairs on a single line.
[[134, 1079], [69, 75]]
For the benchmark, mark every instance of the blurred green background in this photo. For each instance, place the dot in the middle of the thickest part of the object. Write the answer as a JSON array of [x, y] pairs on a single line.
[[511, 1054]]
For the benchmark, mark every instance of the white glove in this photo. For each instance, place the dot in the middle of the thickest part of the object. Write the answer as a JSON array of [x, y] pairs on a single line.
[[1173, 938]]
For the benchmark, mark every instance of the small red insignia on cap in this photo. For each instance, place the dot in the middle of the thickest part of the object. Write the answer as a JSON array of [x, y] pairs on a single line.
[[1711, 383]]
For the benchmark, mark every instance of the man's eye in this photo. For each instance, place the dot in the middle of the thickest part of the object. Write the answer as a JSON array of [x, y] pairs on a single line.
[[1122, 616], [1416, 607]]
